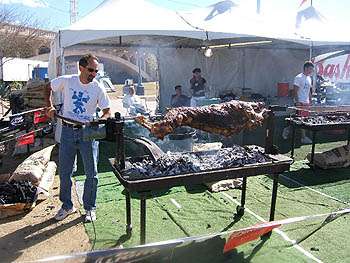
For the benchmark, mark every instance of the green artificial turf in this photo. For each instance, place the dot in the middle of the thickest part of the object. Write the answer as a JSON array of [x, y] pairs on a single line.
[[203, 212]]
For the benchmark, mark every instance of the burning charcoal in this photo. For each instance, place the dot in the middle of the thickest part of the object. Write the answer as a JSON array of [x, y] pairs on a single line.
[[325, 119], [176, 163], [17, 192]]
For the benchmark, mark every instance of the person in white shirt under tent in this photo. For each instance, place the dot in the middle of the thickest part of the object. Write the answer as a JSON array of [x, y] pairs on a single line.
[[302, 91]]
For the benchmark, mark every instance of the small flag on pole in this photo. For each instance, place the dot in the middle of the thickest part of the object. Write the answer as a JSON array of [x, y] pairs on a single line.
[[39, 117], [238, 238], [26, 139]]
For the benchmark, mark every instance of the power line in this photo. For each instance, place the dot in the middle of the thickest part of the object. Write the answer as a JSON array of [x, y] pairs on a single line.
[[73, 11], [183, 3], [57, 9], [46, 4]]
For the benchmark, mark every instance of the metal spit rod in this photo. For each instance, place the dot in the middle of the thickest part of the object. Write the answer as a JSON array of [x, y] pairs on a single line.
[[120, 147], [322, 109]]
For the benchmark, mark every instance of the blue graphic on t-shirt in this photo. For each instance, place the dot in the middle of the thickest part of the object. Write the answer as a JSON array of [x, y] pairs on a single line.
[[79, 102]]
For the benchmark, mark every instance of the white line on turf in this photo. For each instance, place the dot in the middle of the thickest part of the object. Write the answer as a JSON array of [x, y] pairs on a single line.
[[175, 203], [313, 190], [278, 231]]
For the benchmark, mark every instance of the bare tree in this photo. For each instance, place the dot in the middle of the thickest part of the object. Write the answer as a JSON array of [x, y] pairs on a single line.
[[20, 35]]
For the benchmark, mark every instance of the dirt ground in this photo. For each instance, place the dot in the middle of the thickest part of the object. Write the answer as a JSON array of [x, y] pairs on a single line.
[[37, 234]]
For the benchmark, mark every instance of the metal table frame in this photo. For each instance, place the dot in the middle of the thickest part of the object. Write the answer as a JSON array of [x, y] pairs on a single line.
[[278, 165], [144, 187], [314, 128]]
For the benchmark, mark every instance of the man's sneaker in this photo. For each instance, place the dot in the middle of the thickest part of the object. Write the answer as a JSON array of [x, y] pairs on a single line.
[[90, 216], [285, 133], [306, 140], [62, 213]]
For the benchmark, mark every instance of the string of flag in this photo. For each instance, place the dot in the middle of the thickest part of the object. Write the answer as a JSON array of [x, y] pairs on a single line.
[[18, 121]]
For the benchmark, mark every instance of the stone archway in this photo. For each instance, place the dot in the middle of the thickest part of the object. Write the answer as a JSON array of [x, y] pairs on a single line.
[[125, 63]]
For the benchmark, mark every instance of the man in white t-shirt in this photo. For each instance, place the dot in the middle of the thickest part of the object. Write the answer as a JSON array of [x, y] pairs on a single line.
[[303, 94], [82, 94], [302, 90]]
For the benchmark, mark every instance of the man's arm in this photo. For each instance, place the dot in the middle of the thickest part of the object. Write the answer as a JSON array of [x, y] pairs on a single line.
[[310, 96], [295, 93], [191, 87], [204, 83], [172, 102], [192, 92], [106, 113], [50, 109]]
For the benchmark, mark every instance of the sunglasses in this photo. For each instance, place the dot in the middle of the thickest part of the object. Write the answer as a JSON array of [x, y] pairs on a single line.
[[92, 70]]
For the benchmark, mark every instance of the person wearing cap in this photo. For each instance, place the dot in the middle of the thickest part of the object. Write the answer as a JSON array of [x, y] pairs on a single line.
[[197, 85], [178, 99]]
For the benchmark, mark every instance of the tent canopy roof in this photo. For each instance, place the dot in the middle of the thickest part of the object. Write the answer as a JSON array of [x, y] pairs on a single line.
[[114, 18], [141, 23]]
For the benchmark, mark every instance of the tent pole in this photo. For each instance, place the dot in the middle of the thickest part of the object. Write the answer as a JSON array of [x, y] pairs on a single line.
[[243, 88], [258, 5], [310, 50], [61, 54], [63, 68], [139, 66], [159, 95]]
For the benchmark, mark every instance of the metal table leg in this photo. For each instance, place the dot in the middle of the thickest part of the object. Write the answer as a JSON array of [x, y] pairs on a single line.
[[273, 203], [293, 142], [143, 221], [274, 197], [128, 212], [313, 147], [240, 208]]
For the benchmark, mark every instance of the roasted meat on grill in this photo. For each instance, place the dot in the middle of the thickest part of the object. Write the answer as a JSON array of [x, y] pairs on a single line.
[[225, 119]]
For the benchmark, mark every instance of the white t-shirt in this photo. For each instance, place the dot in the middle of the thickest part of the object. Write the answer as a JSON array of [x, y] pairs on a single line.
[[129, 101], [80, 100], [305, 85]]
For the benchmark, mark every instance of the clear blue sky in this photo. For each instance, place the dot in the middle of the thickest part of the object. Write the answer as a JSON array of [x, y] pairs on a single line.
[[54, 14]]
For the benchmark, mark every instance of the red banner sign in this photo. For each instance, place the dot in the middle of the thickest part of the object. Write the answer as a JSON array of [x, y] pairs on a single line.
[[246, 235], [40, 117], [26, 139], [335, 69]]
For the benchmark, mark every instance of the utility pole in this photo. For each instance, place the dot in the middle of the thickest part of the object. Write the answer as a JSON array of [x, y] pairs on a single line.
[[73, 11], [258, 6]]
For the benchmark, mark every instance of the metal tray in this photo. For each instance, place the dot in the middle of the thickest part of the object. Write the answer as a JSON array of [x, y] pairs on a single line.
[[277, 165], [317, 127]]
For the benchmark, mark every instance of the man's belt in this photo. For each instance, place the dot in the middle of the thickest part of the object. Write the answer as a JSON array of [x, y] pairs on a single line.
[[70, 125]]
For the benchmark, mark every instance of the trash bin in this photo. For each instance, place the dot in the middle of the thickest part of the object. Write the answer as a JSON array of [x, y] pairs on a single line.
[[282, 89], [140, 90]]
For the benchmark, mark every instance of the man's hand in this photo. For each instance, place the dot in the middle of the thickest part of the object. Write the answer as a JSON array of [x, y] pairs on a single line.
[[106, 113], [50, 112]]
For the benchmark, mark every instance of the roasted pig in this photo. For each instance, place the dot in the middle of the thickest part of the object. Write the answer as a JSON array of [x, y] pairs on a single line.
[[225, 119]]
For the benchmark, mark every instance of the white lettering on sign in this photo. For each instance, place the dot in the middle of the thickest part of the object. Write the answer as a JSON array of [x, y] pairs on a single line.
[[335, 69]]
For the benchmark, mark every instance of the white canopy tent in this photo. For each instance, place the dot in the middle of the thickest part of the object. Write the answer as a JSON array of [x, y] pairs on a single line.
[[306, 25], [254, 41], [131, 23]]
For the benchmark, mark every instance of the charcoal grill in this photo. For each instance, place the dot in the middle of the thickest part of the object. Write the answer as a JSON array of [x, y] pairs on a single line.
[[304, 123], [276, 165]]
